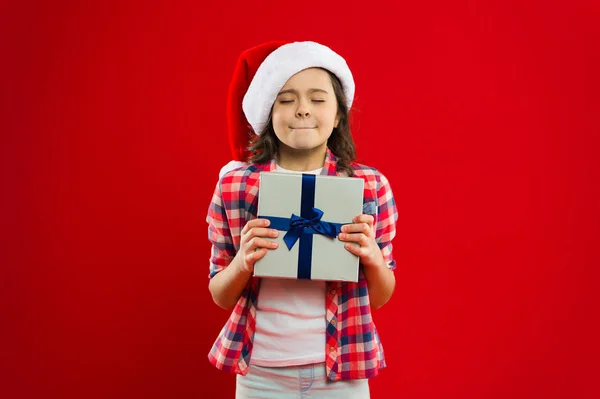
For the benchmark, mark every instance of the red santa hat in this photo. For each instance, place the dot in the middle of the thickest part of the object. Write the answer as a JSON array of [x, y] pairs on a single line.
[[259, 75]]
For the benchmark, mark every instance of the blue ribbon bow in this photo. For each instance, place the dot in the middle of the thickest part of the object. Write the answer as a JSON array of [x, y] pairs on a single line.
[[298, 224]]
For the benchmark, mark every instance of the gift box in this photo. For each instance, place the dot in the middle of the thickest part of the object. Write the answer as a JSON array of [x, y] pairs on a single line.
[[309, 211]]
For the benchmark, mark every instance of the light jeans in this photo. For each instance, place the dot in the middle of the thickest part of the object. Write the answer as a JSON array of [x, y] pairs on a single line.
[[306, 381]]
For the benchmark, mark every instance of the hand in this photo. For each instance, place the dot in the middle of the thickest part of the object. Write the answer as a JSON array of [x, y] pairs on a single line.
[[361, 232], [253, 242]]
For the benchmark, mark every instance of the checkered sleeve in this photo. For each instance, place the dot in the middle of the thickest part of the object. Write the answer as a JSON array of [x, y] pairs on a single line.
[[219, 234], [387, 216]]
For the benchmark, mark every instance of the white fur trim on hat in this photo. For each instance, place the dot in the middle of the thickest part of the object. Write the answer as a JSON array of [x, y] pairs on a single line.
[[281, 65]]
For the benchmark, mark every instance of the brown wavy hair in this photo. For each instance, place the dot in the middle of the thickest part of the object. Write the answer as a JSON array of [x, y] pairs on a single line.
[[265, 146]]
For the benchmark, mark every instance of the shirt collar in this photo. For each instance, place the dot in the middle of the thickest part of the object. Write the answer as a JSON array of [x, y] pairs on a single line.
[[329, 167]]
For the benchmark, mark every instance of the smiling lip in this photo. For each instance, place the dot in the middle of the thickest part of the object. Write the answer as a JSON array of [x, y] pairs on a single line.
[[298, 128]]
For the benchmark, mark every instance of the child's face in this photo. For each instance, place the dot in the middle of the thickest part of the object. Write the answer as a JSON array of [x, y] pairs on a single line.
[[305, 111]]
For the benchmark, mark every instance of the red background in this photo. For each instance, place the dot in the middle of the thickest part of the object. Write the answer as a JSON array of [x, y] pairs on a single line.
[[484, 117]]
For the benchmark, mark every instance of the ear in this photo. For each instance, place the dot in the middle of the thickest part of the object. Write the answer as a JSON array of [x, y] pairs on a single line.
[[337, 120]]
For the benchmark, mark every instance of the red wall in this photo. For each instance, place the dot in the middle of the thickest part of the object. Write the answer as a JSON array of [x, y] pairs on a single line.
[[483, 117]]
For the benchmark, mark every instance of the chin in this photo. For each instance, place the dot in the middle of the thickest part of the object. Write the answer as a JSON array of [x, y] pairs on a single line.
[[305, 147], [300, 146]]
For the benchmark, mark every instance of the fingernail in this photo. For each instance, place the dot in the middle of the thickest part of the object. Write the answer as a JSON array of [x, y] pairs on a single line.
[[342, 236]]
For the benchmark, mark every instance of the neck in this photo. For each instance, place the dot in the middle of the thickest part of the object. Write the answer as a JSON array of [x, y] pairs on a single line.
[[301, 160]]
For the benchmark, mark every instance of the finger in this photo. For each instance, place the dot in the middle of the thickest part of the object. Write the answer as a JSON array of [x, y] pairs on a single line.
[[357, 228], [258, 242], [358, 238], [261, 232], [255, 223], [364, 218], [252, 257], [258, 232], [353, 249]]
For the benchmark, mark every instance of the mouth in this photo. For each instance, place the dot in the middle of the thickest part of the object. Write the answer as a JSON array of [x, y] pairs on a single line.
[[302, 127]]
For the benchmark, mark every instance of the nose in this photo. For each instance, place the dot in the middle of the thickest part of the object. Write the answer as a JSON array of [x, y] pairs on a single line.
[[303, 110]]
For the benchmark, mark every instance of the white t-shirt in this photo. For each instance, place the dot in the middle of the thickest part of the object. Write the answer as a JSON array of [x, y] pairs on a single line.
[[290, 320]]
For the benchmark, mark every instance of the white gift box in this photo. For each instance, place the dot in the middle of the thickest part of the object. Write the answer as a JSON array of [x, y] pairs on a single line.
[[288, 199]]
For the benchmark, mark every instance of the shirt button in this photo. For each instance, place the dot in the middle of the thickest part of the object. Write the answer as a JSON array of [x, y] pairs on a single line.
[[331, 349], [333, 322], [332, 292]]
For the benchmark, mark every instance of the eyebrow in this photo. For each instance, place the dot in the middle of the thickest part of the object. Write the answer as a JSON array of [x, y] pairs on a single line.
[[293, 91]]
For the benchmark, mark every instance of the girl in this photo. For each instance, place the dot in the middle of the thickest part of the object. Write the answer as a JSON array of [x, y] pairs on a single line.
[[291, 338]]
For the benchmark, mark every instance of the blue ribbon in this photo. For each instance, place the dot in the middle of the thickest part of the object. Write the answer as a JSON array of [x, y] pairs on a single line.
[[297, 225], [304, 226]]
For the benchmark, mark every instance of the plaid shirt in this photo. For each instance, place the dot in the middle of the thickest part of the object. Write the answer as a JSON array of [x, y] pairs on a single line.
[[352, 346]]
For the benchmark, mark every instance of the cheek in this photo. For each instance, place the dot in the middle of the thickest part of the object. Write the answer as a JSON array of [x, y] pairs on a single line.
[[276, 118], [327, 116], [278, 122], [279, 115]]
